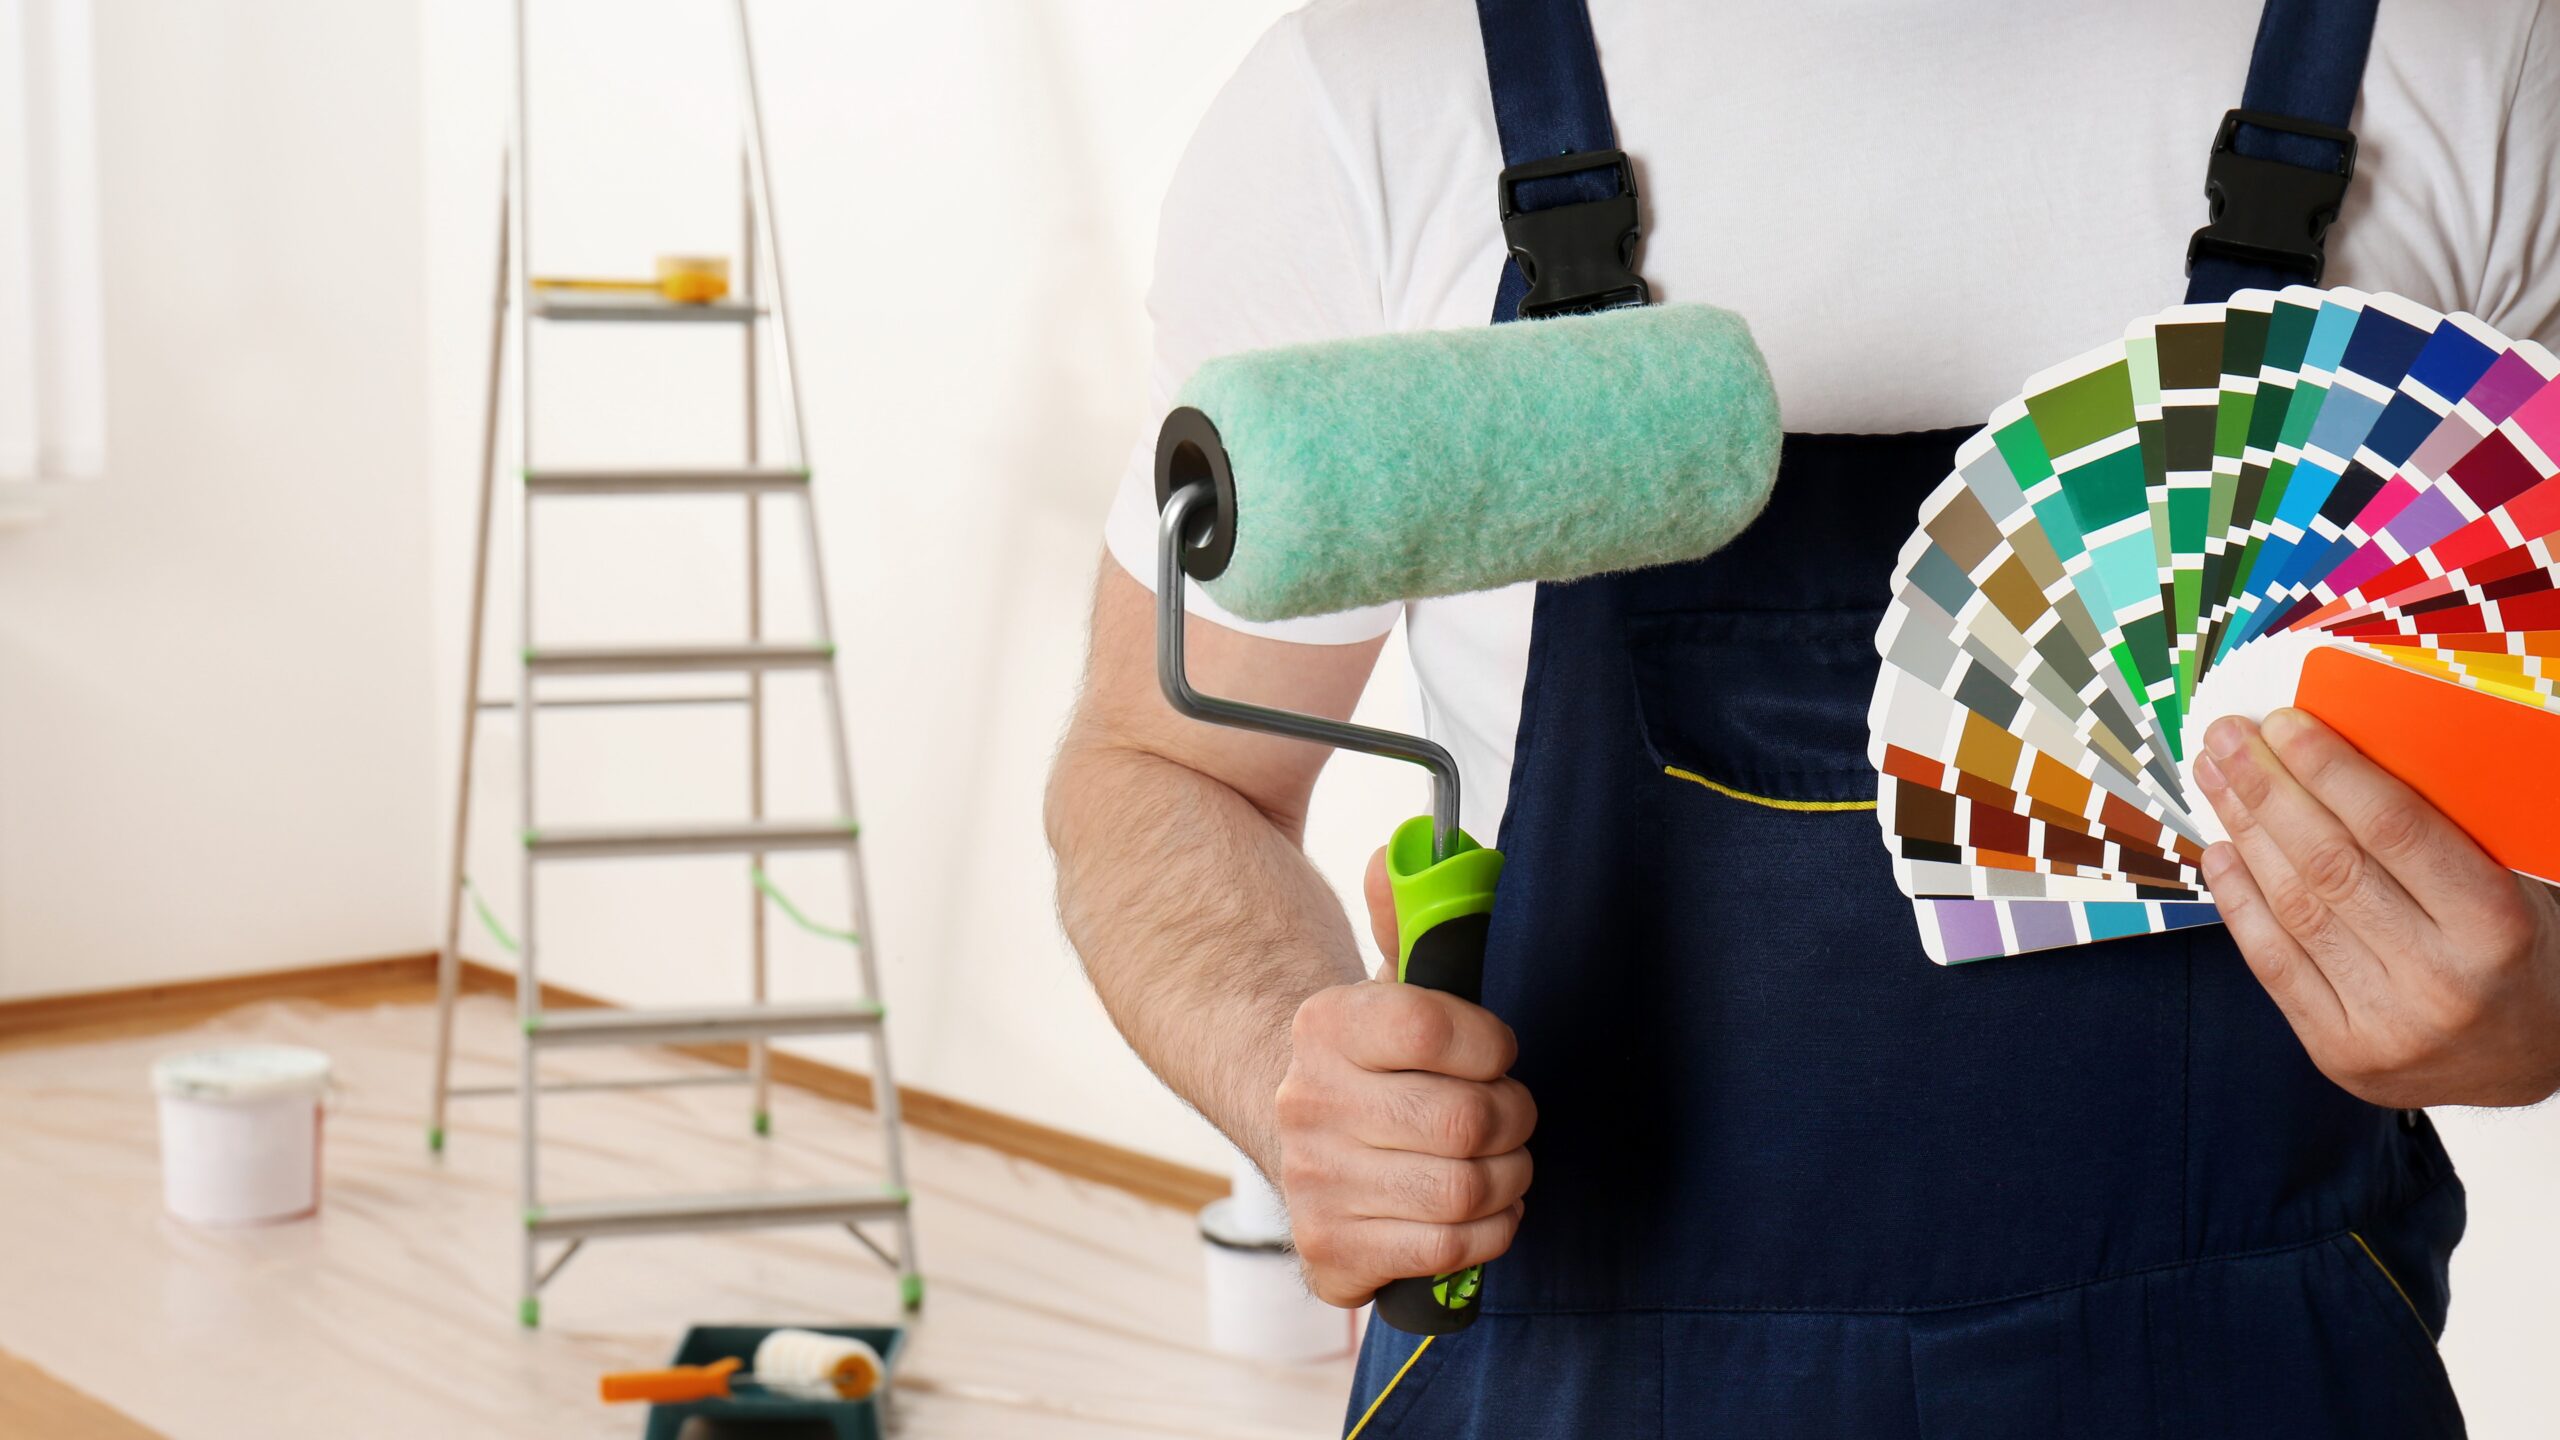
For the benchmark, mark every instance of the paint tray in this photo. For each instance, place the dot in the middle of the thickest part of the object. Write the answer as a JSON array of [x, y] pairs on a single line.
[[772, 1417]]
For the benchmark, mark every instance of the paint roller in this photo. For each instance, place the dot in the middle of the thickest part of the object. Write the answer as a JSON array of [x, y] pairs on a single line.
[[789, 1364], [1319, 478]]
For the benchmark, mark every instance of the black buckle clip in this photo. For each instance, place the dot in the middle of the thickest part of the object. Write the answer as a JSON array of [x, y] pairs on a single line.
[[1578, 257], [2269, 212]]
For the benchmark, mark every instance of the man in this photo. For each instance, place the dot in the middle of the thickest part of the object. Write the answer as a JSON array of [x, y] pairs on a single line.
[[1792, 1180]]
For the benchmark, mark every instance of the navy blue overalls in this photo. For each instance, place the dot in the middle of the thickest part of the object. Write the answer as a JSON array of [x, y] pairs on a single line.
[[1793, 1179]]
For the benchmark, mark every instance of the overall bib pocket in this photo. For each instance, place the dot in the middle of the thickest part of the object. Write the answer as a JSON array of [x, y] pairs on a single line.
[[1766, 706]]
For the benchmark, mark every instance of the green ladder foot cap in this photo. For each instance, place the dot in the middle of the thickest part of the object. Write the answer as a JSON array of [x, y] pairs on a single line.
[[529, 1313], [533, 1217], [911, 1291], [435, 1139], [764, 1123]]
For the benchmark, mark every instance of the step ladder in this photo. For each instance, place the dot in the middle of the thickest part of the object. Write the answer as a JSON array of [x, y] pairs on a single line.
[[761, 315]]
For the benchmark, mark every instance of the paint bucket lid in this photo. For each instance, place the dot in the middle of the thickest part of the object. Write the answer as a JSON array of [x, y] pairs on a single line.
[[1223, 1226], [242, 1072]]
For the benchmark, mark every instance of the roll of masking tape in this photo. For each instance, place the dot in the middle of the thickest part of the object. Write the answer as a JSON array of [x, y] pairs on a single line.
[[693, 279]]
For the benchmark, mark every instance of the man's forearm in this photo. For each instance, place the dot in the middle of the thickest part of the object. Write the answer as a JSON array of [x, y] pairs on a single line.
[[1201, 923]]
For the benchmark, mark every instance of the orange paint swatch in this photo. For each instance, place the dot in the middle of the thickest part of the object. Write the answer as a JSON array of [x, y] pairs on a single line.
[[2491, 765]]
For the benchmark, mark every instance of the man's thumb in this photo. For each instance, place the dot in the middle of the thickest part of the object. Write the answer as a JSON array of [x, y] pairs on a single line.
[[1382, 908]]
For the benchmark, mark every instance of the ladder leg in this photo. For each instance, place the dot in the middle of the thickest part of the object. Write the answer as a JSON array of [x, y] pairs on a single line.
[[449, 959], [884, 1089], [759, 1055], [528, 978], [528, 985], [884, 1083]]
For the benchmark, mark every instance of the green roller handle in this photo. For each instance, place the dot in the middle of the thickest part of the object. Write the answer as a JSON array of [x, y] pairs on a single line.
[[1443, 912]]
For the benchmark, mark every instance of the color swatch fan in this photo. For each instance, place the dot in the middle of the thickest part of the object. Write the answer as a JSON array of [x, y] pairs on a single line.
[[2322, 498]]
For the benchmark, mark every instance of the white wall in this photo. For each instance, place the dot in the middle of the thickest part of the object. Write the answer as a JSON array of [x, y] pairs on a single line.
[[214, 747]]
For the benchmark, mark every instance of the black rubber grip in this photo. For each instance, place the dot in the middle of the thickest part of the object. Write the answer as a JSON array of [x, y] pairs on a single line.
[[1449, 956]]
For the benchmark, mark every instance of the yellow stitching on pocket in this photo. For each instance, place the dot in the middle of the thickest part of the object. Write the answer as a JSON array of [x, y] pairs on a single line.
[[1372, 1412], [1771, 801], [2395, 1284]]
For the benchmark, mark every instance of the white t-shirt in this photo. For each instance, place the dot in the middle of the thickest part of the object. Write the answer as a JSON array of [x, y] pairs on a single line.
[[1845, 174]]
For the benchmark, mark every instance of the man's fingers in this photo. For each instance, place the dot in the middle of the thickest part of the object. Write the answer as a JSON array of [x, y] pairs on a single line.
[[1407, 1249], [2340, 883], [2428, 855], [1435, 1189], [2295, 981], [1436, 1115], [1402, 1139], [1386, 1026], [2350, 969]]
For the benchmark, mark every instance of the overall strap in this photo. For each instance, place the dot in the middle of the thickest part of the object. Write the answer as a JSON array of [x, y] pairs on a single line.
[[1567, 194], [2281, 163]]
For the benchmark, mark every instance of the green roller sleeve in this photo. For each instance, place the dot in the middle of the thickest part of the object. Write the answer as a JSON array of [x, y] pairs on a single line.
[[1395, 467], [1442, 913]]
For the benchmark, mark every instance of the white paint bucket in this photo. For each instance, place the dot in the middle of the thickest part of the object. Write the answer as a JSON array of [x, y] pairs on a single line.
[[1258, 1303], [240, 1133]]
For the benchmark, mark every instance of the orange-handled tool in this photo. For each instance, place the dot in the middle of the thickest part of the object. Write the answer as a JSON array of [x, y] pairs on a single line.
[[794, 1363], [674, 1384]]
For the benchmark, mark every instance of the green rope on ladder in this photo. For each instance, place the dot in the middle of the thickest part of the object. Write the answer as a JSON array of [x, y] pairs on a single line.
[[489, 918], [765, 883]]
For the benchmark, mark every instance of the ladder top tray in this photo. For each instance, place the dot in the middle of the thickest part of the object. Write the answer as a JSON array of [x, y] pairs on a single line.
[[647, 309]]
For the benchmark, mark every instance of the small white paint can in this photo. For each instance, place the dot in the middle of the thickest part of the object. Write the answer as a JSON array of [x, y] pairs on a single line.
[[240, 1133], [1259, 1306]]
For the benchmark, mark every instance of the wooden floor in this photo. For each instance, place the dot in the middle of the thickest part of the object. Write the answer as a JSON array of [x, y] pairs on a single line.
[[34, 1403], [1057, 1308]]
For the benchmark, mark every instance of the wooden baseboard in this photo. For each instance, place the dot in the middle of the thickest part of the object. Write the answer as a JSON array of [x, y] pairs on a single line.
[[182, 1002], [48, 1018]]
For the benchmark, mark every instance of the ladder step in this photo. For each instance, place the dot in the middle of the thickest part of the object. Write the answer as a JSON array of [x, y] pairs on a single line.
[[677, 659], [582, 1219], [732, 837], [750, 480], [585, 1087], [589, 305], [614, 702], [699, 1025]]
